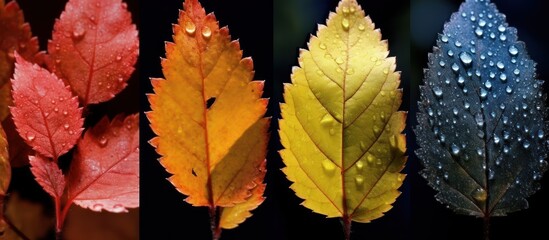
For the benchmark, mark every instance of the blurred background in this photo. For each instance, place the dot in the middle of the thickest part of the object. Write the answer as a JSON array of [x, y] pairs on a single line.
[[430, 219]]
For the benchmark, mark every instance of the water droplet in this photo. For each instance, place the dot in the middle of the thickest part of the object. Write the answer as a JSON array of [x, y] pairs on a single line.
[[345, 10], [508, 89], [492, 35], [441, 63], [97, 207], [190, 28], [457, 43], [491, 174], [479, 32], [466, 105], [327, 120], [361, 27], [483, 93], [359, 180], [513, 50], [332, 131], [71, 132], [455, 111], [376, 130], [345, 24], [450, 53], [461, 80], [501, 28], [482, 23], [322, 46], [500, 65], [444, 38], [370, 158], [77, 33], [516, 71], [540, 134], [30, 136], [438, 91], [206, 32], [359, 165], [526, 144], [496, 139], [503, 77], [339, 60], [506, 135], [351, 71], [488, 84], [118, 58], [103, 141], [455, 67], [479, 194], [446, 176], [502, 37], [465, 58], [328, 166], [65, 113], [455, 149], [66, 126]]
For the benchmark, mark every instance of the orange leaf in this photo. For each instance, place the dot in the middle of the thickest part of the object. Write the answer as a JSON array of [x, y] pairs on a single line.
[[94, 47], [208, 113]]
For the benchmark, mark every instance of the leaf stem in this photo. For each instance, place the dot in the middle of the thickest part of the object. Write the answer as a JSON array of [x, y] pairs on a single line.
[[346, 222], [214, 223], [486, 228]]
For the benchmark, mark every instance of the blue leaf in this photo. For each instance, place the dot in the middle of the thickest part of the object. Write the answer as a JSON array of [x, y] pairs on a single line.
[[482, 115]]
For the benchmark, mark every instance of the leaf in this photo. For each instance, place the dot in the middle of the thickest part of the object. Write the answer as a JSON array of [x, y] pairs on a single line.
[[214, 161], [481, 116], [19, 151], [5, 100], [341, 128], [93, 48], [45, 113], [104, 173], [48, 175], [15, 35], [232, 216]]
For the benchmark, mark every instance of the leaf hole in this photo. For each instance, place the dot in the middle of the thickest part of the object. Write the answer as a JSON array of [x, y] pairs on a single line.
[[193, 172], [210, 102]]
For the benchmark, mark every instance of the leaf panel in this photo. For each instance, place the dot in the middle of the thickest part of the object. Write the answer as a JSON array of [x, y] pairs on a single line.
[[341, 128], [94, 48], [481, 84], [45, 113], [206, 80]]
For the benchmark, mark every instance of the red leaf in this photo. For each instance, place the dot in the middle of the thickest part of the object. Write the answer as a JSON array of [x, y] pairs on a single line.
[[104, 173], [94, 48], [48, 175], [45, 112], [15, 35]]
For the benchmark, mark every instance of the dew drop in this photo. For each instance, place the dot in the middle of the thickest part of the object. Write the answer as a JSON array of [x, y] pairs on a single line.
[[444, 38], [322, 46], [500, 65], [455, 67], [103, 141], [361, 27], [359, 165], [526, 144], [327, 120], [461, 80], [483, 93], [65, 113], [30, 136], [359, 180], [370, 158], [328, 166], [501, 28], [491, 174], [118, 58], [496, 139], [513, 50], [479, 194], [502, 37], [465, 58], [482, 23], [77, 33], [206, 32], [516, 71], [332, 131], [479, 119], [376, 130], [190, 28], [441, 63], [479, 32], [66, 126], [345, 24], [455, 149], [488, 84], [438, 91], [508, 89], [339, 60], [97, 207], [450, 53], [457, 43], [503, 77], [540, 134]]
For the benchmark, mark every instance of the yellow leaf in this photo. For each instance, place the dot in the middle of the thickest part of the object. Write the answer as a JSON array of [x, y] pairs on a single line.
[[341, 128], [5, 168], [208, 114]]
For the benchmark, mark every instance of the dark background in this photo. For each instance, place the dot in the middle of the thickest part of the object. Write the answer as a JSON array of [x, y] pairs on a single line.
[[432, 220]]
